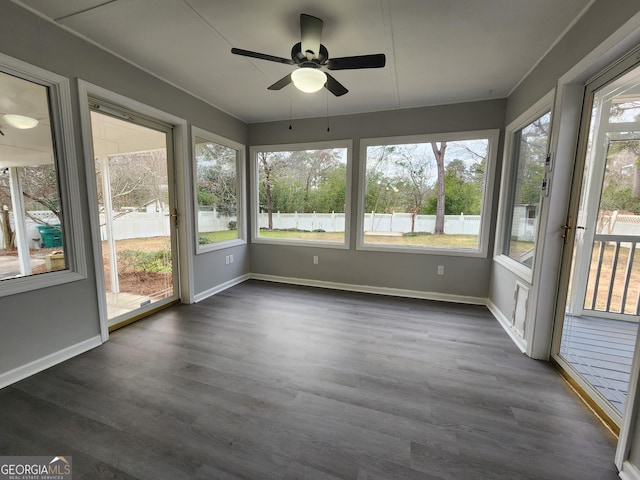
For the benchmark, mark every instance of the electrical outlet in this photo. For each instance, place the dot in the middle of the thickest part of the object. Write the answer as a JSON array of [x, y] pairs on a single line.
[[231, 258], [315, 260], [440, 269]]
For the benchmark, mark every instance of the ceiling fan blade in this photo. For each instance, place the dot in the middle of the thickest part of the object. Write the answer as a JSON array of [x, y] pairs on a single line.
[[262, 56], [362, 61], [335, 86], [310, 34], [283, 82]]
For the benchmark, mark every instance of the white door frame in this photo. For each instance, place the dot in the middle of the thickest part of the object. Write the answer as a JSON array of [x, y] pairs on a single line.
[[566, 124], [181, 166]]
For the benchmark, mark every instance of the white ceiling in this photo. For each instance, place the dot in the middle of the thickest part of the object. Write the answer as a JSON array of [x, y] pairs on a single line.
[[438, 51]]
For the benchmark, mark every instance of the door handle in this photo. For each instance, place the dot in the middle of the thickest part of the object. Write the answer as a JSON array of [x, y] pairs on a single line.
[[174, 216]]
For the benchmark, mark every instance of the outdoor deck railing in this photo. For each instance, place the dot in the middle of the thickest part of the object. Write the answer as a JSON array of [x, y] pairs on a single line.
[[614, 277]]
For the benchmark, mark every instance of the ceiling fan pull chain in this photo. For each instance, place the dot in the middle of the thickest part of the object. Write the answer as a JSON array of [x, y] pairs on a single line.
[[328, 129]]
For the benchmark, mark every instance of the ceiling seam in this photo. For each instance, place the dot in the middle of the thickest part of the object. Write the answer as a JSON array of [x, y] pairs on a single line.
[[79, 12], [225, 39], [126, 60], [385, 6], [230, 45]]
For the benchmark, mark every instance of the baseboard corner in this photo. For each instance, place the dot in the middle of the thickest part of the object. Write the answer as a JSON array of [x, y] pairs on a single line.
[[221, 287]]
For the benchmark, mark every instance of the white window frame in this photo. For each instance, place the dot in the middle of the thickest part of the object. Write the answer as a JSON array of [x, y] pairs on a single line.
[[291, 147], [542, 106], [492, 135], [66, 165], [240, 189]]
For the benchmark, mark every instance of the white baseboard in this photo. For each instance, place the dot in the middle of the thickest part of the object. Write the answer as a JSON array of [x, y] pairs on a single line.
[[505, 323], [219, 288], [43, 363], [395, 292], [629, 471]]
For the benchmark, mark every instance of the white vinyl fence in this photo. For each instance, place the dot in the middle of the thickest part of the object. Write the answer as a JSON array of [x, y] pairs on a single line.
[[153, 224], [401, 222], [373, 222]]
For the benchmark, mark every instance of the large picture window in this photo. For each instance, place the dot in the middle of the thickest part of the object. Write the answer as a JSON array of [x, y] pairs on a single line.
[[37, 180], [427, 193], [219, 180], [302, 193]]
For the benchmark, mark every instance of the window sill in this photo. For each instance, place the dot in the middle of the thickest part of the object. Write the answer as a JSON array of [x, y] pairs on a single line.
[[212, 247], [35, 282], [300, 243], [452, 252], [521, 271]]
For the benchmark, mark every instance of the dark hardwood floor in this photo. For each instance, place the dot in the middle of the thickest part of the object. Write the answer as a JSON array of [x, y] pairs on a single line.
[[268, 381]]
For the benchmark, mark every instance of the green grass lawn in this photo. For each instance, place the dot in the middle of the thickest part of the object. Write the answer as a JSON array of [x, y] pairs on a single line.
[[435, 241], [206, 238]]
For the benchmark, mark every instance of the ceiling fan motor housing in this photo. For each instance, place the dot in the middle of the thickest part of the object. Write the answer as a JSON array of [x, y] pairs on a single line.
[[300, 57]]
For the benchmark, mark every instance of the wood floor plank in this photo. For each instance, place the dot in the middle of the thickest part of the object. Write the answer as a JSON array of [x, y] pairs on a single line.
[[269, 381]]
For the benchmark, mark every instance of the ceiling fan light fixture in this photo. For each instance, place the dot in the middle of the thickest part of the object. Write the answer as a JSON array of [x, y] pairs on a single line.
[[20, 121], [308, 79]]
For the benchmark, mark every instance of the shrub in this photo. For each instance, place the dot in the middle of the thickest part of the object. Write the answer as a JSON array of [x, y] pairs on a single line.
[[232, 225], [132, 261]]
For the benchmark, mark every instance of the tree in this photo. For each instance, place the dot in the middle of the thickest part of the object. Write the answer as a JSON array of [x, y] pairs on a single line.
[[629, 111], [621, 182], [267, 166], [302, 181], [463, 187], [439, 153], [532, 150], [39, 190], [217, 178], [382, 189], [413, 177], [135, 179]]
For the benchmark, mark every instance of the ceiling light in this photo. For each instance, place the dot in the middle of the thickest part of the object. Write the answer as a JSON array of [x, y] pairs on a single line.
[[20, 121], [308, 79]]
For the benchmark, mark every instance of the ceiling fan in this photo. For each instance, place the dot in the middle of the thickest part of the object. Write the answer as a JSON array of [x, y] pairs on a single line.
[[311, 56]]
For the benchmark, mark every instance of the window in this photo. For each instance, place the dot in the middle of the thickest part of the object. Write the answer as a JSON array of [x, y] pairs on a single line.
[[38, 181], [302, 194], [523, 172], [219, 177], [427, 193]]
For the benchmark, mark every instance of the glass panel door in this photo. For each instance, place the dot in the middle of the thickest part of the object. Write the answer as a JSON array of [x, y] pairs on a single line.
[[132, 165], [600, 315]]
